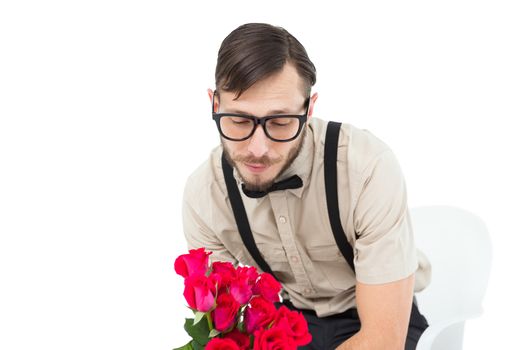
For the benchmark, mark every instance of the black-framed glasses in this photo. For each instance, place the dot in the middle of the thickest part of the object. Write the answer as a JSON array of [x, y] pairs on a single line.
[[278, 128]]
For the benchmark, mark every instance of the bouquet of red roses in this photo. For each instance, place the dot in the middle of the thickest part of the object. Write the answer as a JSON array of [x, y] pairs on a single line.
[[234, 307]]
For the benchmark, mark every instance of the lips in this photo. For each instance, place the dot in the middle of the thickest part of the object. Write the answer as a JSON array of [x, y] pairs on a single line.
[[256, 168]]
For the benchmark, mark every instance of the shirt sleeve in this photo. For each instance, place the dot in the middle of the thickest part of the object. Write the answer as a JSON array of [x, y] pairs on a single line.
[[385, 248], [197, 231]]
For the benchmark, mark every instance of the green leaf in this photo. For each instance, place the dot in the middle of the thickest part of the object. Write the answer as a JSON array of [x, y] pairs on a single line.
[[214, 333], [185, 347], [197, 346], [198, 316], [198, 332]]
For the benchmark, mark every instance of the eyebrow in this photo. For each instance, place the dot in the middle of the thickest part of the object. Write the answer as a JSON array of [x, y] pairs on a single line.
[[272, 112]]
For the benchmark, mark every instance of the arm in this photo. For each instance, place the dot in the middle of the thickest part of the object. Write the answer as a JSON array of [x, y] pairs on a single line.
[[385, 257], [196, 229], [384, 311]]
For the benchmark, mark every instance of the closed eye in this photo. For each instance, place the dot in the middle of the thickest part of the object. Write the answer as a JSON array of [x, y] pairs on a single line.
[[241, 122], [281, 122]]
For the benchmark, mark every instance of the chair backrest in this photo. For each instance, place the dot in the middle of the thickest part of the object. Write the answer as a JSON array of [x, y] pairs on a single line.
[[457, 244]]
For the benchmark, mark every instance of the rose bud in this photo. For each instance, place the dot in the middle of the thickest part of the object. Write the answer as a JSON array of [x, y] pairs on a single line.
[[194, 263], [198, 292], [221, 344], [274, 338], [225, 312], [267, 287], [294, 324], [259, 314], [242, 339]]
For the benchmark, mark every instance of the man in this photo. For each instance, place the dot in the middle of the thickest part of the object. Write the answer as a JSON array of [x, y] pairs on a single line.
[[322, 206]]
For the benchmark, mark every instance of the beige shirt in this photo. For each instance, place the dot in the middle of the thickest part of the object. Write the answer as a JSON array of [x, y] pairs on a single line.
[[292, 229]]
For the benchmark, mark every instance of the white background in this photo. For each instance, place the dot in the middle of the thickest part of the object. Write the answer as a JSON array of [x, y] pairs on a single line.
[[104, 113]]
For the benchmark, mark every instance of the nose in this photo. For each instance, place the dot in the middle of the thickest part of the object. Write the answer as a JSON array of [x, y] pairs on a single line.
[[258, 143]]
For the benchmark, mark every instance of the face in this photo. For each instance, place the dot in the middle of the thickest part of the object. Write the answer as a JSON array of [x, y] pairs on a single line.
[[259, 160]]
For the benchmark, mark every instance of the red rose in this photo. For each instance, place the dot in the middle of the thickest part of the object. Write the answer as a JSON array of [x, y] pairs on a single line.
[[295, 325], [275, 338], [247, 273], [221, 344], [194, 263], [224, 268], [225, 313], [227, 273], [241, 290], [242, 339], [267, 287], [216, 281], [199, 292], [259, 314]]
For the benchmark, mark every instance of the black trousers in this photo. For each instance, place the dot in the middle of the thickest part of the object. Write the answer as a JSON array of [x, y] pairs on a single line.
[[330, 332]]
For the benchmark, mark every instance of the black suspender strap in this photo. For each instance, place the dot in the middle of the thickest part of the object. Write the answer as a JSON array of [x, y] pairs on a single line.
[[239, 212], [330, 182]]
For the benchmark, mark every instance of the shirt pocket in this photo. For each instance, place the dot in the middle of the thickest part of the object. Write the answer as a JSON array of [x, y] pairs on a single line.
[[329, 261]]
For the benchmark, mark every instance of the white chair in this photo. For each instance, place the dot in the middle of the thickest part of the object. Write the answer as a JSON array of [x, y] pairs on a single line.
[[457, 244]]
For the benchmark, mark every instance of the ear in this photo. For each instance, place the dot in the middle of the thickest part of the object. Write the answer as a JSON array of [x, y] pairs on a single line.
[[313, 99], [210, 95]]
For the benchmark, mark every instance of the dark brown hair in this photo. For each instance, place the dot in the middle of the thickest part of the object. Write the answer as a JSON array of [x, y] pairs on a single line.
[[255, 51]]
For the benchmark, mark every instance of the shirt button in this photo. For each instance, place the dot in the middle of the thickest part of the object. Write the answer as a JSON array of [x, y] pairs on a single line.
[[295, 259], [282, 219], [307, 291]]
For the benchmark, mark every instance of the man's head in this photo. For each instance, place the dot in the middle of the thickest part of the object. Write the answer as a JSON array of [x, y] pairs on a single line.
[[262, 70]]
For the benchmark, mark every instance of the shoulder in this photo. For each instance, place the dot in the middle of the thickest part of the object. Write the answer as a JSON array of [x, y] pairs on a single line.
[[206, 181], [360, 148]]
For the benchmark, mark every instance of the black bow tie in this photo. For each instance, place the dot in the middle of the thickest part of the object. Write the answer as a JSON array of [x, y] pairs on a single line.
[[289, 183]]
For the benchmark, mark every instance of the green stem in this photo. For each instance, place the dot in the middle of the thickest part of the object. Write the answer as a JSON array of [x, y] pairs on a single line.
[[208, 317]]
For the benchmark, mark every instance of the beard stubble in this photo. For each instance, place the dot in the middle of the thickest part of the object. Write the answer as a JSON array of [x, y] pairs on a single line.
[[258, 184]]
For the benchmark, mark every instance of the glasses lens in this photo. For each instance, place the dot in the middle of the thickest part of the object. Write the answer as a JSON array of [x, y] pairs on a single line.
[[236, 127], [282, 128]]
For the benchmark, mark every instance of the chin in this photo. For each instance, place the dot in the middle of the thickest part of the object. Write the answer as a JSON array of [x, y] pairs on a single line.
[[259, 182]]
